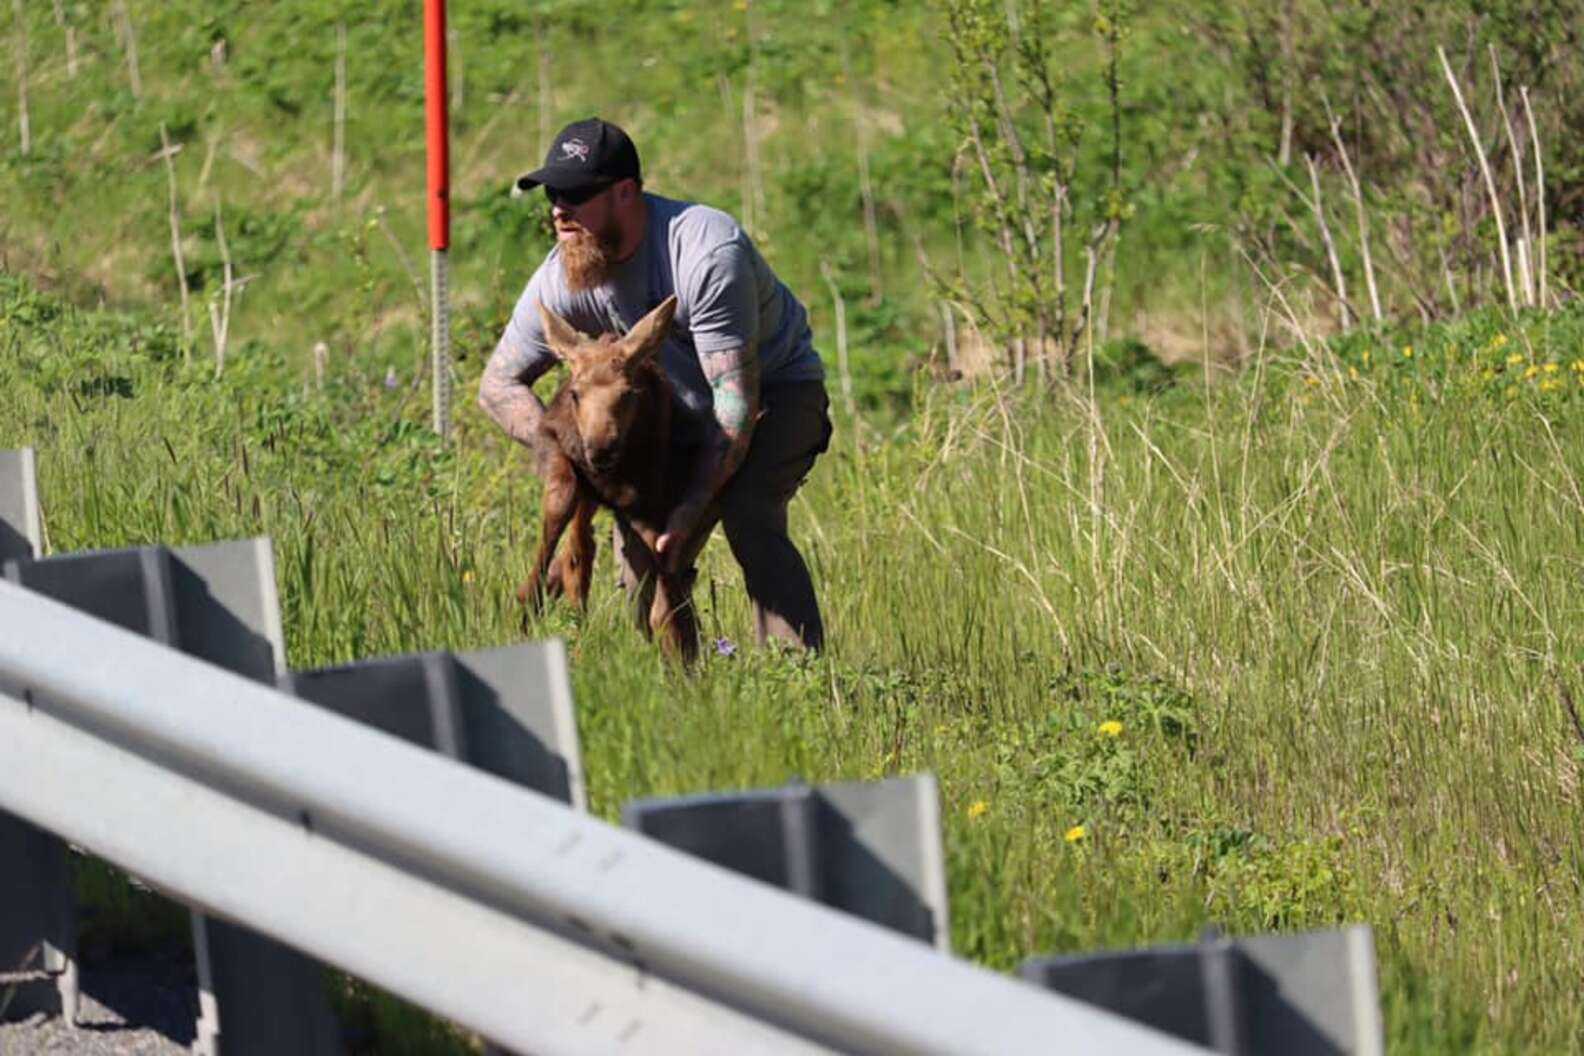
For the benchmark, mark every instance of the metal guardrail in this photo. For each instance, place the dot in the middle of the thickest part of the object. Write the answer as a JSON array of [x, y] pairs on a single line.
[[544, 929]]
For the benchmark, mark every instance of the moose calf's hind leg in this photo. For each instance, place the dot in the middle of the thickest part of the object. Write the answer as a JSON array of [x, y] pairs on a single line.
[[673, 620]]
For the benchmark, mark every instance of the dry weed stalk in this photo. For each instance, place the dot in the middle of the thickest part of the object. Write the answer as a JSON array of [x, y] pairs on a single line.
[[22, 78], [866, 195], [841, 340], [546, 98], [1344, 308], [1525, 279], [220, 315], [338, 148], [168, 153], [1534, 139], [1490, 181], [71, 38], [405, 261], [128, 38], [1359, 213], [753, 177]]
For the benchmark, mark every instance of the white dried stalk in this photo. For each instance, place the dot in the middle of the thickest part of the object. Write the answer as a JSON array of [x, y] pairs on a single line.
[[1490, 181], [220, 317], [454, 70], [1525, 280], [949, 332], [754, 206], [208, 162], [841, 339], [128, 37], [168, 153], [1318, 205], [866, 193], [71, 38], [22, 79], [338, 150], [546, 99], [1359, 214], [1534, 137]]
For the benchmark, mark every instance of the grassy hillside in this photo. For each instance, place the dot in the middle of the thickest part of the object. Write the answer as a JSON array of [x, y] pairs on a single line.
[[1331, 607]]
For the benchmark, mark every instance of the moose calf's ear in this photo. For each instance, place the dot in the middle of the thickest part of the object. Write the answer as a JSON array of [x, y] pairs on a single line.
[[563, 340], [650, 332]]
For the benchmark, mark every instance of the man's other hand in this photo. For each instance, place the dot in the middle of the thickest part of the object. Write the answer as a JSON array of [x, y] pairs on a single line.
[[679, 531]]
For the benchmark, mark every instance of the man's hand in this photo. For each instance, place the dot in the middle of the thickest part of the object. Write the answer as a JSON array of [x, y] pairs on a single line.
[[679, 532]]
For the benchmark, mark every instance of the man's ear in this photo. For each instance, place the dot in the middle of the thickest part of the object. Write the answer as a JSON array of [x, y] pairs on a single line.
[[646, 338], [564, 341]]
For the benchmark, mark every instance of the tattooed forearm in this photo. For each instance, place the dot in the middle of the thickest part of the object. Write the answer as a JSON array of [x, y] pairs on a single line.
[[506, 395], [734, 384]]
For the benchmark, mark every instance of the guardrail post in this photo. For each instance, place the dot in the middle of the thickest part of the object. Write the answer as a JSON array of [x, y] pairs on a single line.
[[38, 920], [1301, 995], [871, 848], [21, 527]]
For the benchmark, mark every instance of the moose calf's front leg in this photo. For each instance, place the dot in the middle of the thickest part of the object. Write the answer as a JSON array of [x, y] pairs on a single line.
[[577, 560], [560, 502]]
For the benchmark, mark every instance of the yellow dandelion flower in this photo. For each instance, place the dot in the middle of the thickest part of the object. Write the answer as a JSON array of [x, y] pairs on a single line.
[[1515, 359], [1310, 379], [1578, 366], [1353, 373], [1550, 385], [1366, 357], [1076, 833], [1530, 372], [1110, 728], [977, 808], [1407, 351], [1550, 368], [467, 577]]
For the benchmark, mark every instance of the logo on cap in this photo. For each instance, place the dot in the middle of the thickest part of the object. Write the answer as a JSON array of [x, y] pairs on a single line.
[[575, 148]]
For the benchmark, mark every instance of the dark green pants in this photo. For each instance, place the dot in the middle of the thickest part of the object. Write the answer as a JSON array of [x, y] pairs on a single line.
[[794, 429]]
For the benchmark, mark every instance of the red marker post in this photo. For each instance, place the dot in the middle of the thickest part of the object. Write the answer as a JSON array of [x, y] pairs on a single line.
[[439, 140]]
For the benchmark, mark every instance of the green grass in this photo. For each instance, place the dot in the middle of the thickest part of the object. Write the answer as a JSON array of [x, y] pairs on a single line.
[[1333, 603]]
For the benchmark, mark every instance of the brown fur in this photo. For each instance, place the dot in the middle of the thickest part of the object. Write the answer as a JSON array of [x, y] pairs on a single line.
[[604, 440]]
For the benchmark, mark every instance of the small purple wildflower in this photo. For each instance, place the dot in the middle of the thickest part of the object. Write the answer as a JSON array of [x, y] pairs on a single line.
[[390, 378], [725, 647]]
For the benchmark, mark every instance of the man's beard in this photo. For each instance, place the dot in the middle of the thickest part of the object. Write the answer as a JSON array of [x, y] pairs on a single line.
[[589, 258]]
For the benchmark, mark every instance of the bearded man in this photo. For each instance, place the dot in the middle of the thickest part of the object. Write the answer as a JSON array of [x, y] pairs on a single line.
[[748, 386]]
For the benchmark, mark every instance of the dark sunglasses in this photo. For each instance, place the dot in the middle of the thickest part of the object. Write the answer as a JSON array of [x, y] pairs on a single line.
[[577, 197]]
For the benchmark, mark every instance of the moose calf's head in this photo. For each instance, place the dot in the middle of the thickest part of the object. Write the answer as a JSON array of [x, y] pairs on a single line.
[[610, 376]]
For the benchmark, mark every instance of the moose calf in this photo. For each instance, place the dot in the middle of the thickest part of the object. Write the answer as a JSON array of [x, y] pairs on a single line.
[[604, 440]]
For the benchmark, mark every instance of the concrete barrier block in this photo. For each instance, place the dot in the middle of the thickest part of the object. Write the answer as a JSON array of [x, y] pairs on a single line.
[[871, 848], [1312, 994], [507, 711]]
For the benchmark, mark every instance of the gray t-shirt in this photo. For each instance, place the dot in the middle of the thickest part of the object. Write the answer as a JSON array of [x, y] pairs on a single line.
[[727, 298]]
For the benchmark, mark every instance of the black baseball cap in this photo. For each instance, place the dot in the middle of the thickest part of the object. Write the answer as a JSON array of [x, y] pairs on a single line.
[[586, 153]]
